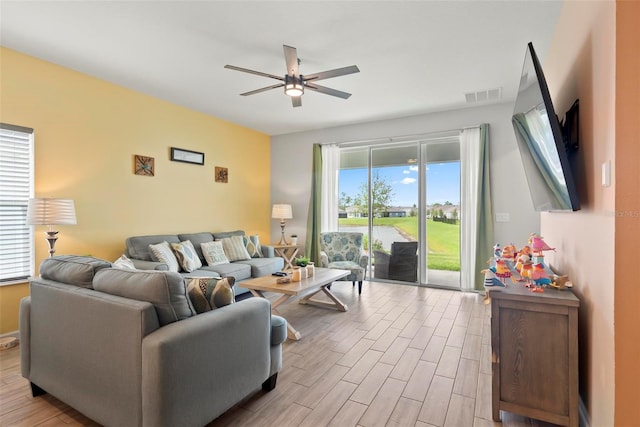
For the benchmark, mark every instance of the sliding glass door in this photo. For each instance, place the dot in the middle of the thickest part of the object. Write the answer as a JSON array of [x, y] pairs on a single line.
[[442, 212], [405, 198]]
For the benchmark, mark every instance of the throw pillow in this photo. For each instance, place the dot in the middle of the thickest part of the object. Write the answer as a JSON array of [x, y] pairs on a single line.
[[214, 253], [187, 256], [252, 243], [208, 293], [162, 253], [234, 248], [124, 262]]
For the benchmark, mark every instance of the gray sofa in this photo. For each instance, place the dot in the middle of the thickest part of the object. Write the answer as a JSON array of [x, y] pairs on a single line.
[[137, 249], [146, 359]]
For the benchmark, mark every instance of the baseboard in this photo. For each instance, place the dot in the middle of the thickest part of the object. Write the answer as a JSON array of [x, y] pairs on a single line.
[[15, 334], [583, 414]]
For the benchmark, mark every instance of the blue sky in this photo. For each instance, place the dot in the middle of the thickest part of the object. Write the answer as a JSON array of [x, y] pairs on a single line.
[[443, 182]]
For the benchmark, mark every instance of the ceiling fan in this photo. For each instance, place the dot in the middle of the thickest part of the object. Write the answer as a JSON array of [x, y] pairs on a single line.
[[295, 83]]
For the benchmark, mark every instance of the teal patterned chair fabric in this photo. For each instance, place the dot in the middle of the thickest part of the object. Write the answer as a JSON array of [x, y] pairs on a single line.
[[344, 251]]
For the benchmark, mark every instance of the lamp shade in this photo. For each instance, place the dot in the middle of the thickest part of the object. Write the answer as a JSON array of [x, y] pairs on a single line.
[[281, 212], [51, 212]]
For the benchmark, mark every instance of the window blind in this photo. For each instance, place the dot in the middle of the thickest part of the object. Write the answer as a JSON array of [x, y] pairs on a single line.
[[16, 187]]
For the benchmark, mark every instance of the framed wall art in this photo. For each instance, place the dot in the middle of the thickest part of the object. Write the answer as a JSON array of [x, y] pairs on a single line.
[[143, 165], [187, 156], [222, 174]]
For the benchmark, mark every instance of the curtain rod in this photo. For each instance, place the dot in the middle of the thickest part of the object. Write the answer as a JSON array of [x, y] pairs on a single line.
[[403, 138]]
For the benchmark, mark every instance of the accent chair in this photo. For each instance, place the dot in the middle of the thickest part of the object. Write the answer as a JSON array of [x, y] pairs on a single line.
[[344, 251]]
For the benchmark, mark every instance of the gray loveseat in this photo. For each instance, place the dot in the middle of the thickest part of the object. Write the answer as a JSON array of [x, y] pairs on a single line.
[[146, 359], [137, 249]]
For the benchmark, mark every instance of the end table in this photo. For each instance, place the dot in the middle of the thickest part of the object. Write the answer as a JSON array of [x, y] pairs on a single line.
[[288, 253]]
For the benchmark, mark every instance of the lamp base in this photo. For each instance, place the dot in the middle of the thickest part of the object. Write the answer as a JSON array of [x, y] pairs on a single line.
[[52, 236], [283, 241]]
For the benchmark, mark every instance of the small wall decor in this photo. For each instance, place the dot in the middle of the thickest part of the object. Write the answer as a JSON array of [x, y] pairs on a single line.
[[187, 156], [222, 174], [143, 165]]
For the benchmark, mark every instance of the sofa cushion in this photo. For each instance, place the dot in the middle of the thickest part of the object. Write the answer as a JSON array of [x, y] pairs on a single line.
[[252, 243], [214, 253], [162, 253], [234, 248], [186, 255], [72, 269], [238, 270], [197, 239], [138, 246], [207, 294], [165, 290], [263, 266]]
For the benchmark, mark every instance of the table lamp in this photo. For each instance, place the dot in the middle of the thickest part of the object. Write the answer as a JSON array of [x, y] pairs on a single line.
[[281, 212], [46, 211]]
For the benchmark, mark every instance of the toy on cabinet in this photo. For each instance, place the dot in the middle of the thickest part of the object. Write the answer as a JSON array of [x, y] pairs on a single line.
[[539, 245], [497, 251], [539, 275], [509, 252]]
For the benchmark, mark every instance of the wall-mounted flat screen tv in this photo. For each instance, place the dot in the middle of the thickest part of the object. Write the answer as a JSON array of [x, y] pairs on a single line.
[[543, 150]]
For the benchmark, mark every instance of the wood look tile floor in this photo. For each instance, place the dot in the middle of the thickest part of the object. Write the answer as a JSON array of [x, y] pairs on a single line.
[[400, 356]]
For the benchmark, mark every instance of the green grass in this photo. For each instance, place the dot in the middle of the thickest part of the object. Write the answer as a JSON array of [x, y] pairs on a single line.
[[444, 239]]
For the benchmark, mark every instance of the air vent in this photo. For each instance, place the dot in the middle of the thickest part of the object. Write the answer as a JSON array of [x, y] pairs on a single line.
[[483, 95]]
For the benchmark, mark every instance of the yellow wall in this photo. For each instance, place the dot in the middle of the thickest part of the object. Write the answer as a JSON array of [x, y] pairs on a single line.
[[594, 57], [627, 291], [86, 134], [581, 64]]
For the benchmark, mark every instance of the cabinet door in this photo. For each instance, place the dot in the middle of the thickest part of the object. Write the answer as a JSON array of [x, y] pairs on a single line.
[[534, 356]]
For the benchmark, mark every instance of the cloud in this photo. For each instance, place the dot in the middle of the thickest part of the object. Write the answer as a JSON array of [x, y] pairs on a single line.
[[413, 168], [408, 180], [406, 172]]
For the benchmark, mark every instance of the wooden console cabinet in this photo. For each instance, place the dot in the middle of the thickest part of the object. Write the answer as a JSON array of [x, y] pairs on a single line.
[[534, 354]]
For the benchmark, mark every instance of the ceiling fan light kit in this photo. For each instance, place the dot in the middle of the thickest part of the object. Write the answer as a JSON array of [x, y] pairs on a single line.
[[293, 86], [295, 83]]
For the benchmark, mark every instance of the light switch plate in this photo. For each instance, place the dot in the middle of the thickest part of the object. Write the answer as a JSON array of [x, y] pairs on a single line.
[[606, 173], [503, 217]]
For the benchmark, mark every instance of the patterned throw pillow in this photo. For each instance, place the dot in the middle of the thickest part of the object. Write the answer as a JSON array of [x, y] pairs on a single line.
[[208, 293], [124, 262], [186, 255], [234, 248], [162, 253], [214, 253], [252, 243]]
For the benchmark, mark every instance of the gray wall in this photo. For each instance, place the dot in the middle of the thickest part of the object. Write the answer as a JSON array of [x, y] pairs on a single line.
[[291, 157]]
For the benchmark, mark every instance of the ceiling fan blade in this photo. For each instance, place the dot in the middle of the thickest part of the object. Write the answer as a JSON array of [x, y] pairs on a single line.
[[264, 89], [257, 73], [327, 90], [296, 101], [291, 57], [332, 73]]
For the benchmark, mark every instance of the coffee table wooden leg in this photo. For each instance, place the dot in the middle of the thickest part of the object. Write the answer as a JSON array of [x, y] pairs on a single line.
[[292, 333], [336, 303]]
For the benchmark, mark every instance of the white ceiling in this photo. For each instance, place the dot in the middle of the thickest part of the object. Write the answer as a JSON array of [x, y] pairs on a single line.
[[414, 57]]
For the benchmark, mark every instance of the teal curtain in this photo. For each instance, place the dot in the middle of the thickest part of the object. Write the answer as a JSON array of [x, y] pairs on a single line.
[[484, 238], [315, 212]]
